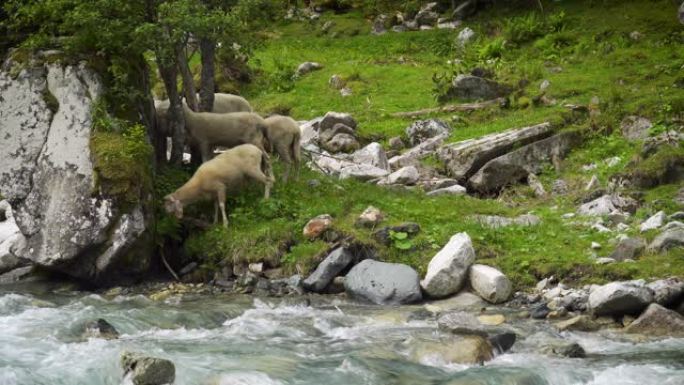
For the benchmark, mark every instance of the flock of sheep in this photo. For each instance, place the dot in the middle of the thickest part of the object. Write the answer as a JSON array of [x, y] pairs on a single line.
[[248, 138]]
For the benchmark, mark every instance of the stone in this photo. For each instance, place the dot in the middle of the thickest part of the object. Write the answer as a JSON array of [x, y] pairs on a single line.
[[471, 87], [20, 274], [448, 270], [332, 118], [629, 248], [346, 91], [658, 321], [667, 292], [187, 269], [143, 370], [607, 204], [379, 27], [604, 261], [492, 319], [516, 165], [317, 226], [426, 18], [667, 240], [336, 82], [307, 67], [12, 241], [370, 217], [545, 84], [48, 174], [635, 127], [635, 35], [464, 323], [383, 283], [490, 284], [341, 142], [462, 301], [406, 175], [383, 235], [536, 185], [338, 260], [373, 154], [502, 342], [672, 226], [582, 323], [100, 328], [421, 130], [619, 298], [595, 246], [559, 187], [465, 36], [654, 222], [413, 156], [678, 216], [612, 162], [396, 143], [362, 172], [453, 350], [451, 190], [540, 311], [256, 268], [564, 349], [495, 221], [399, 28], [593, 183], [448, 25], [465, 158]]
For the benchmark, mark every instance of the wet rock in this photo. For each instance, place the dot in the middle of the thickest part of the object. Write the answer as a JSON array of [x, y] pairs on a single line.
[[635, 127], [502, 342], [495, 221], [490, 284], [540, 311], [373, 154], [338, 260], [307, 67], [618, 298], [658, 321], [370, 217], [463, 323], [581, 323], [451, 190], [383, 283], [454, 350], [406, 175], [317, 226], [463, 159], [667, 240], [383, 235], [465, 36], [448, 270], [654, 222], [629, 248], [100, 328], [143, 370], [422, 130], [608, 204], [667, 292], [564, 349], [492, 319], [471, 87]]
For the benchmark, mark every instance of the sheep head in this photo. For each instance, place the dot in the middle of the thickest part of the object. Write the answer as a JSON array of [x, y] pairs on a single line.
[[173, 206]]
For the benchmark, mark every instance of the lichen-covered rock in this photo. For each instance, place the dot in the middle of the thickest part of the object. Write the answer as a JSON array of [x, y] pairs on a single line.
[[658, 321], [332, 118], [11, 239], [413, 156], [619, 298], [373, 154], [48, 176], [635, 127], [667, 240], [473, 88], [421, 130], [317, 226], [370, 217], [628, 248], [490, 284], [142, 370], [448, 270], [383, 283], [668, 291], [608, 204]]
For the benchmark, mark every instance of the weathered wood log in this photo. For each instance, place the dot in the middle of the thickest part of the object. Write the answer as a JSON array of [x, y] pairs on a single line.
[[449, 108], [463, 159]]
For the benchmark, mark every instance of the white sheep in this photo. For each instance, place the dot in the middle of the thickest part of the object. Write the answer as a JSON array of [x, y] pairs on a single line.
[[283, 136], [207, 130], [225, 173]]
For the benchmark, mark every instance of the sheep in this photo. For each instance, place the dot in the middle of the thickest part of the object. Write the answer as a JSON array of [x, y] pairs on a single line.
[[283, 137], [223, 103], [214, 178], [207, 130]]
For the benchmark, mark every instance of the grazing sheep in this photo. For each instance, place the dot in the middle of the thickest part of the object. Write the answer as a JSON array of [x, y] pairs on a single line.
[[207, 130], [223, 103], [226, 172], [283, 136]]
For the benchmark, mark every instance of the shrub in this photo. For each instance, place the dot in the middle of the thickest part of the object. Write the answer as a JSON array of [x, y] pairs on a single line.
[[492, 50], [524, 28]]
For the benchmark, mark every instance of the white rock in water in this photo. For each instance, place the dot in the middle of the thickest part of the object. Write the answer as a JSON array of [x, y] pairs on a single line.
[[654, 222], [490, 284], [448, 269]]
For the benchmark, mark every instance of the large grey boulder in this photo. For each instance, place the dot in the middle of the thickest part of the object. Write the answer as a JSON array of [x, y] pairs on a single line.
[[331, 266], [667, 240], [373, 154], [406, 175], [668, 291], [607, 204], [471, 87], [383, 283], [413, 156], [143, 370], [363, 172], [463, 159], [332, 118], [654, 222], [635, 127], [628, 248], [490, 284], [451, 190], [447, 272], [516, 165], [421, 130], [48, 176], [658, 321], [619, 298]]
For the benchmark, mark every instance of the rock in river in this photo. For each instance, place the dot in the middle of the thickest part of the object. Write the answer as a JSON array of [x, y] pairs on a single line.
[[383, 283]]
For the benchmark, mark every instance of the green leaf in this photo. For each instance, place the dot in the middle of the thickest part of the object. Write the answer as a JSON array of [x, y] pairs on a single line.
[[403, 245], [400, 235]]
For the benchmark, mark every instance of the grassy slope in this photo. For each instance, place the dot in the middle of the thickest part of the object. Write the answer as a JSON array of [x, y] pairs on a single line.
[[393, 73]]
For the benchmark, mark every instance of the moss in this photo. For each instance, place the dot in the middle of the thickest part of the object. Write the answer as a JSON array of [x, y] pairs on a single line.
[[665, 166], [50, 100]]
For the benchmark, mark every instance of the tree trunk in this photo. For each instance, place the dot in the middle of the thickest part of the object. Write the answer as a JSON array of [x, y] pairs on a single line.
[[175, 117], [149, 117], [188, 83], [207, 49]]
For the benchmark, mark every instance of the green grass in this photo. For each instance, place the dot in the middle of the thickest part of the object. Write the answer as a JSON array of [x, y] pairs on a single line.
[[589, 54]]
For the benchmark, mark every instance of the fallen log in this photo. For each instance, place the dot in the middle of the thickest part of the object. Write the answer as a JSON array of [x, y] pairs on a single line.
[[449, 108]]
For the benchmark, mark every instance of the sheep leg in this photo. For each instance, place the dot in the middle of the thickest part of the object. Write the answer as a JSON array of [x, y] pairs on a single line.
[[221, 197], [261, 177], [205, 151], [296, 155], [216, 210], [284, 153]]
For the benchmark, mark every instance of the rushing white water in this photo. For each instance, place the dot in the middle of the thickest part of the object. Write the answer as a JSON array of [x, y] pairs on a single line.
[[236, 340]]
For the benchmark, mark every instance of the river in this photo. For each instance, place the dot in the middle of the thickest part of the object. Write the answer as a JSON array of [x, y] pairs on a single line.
[[236, 340]]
